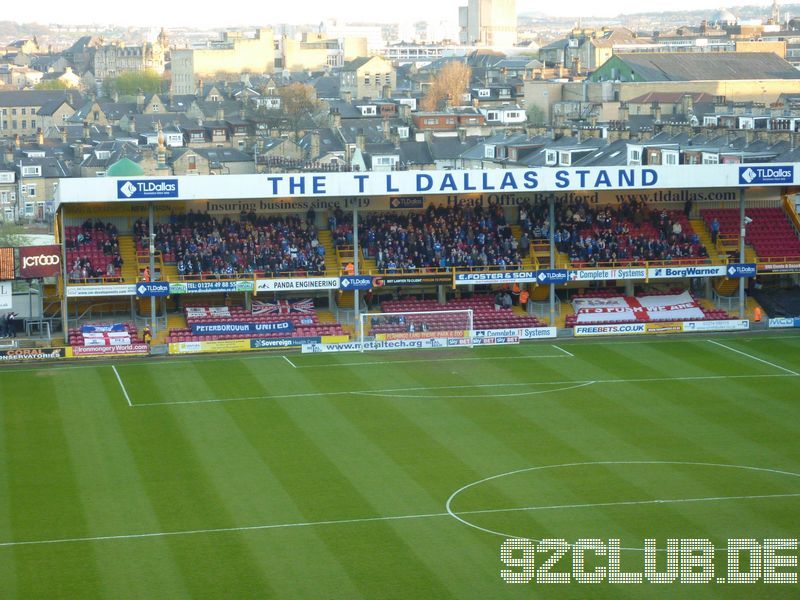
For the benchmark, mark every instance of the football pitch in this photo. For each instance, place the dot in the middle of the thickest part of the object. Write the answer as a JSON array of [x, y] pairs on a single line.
[[395, 474]]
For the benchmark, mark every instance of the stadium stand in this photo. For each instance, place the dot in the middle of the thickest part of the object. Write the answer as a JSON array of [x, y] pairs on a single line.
[[202, 245], [484, 315], [771, 234], [306, 323], [439, 237], [628, 234], [93, 252]]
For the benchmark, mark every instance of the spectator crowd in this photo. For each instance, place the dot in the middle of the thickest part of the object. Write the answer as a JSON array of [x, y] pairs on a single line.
[[201, 244], [438, 237]]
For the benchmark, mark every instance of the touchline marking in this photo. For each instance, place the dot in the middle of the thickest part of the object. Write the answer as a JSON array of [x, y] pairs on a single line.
[[474, 386], [458, 514], [564, 351], [133, 536], [122, 385], [289, 361], [761, 360], [426, 360]]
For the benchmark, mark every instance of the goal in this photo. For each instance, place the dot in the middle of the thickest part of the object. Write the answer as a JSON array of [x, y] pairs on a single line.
[[433, 324]]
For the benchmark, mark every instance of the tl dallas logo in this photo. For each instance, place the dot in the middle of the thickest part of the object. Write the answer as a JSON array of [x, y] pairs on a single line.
[[147, 188], [766, 175]]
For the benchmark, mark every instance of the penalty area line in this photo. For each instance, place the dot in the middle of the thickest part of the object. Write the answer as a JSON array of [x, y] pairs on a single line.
[[122, 385], [756, 358], [564, 351]]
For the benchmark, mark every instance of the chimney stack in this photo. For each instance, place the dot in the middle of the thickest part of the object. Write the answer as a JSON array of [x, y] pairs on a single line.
[[315, 145], [361, 140], [624, 112]]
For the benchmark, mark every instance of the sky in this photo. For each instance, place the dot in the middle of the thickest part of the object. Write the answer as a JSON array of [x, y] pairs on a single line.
[[248, 12]]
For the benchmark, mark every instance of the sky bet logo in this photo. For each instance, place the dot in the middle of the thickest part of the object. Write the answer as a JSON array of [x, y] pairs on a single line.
[[147, 188], [766, 175]]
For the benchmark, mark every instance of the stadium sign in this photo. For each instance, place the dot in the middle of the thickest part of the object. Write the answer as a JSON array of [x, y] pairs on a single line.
[[784, 323], [355, 282], [495, 277], [786, 267], [133, 189], [152, 289], [39, 261], [409, 280], [124, 350], [537, 333], [615, 329], [524, 333], [407, 202], [726, 325], [682, 272], [289, 187], [495, 341], [283, 342], [92, 291], [211, 287], [552, 276], [292, 285], [766, 175], [743, 270], [607, 274], [24, 354], [243, 328]]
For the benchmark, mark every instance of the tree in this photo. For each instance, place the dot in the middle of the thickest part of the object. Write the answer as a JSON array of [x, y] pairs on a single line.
[[129, 84], [10, 234], [536, 115], [298, 101], [450, 83], [52, 84]]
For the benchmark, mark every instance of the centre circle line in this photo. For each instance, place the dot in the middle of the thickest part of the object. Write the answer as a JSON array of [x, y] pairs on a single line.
[[455, 514]]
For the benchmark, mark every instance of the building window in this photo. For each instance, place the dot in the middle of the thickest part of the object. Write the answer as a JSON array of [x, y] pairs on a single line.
[[29, 209], [366, 79], [13, 112], [24, 124], [31, 191], [192, 163], [33, 123], [24, 111]]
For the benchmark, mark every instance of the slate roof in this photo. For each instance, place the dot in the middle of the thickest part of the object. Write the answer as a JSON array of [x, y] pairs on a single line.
[[712, 66]]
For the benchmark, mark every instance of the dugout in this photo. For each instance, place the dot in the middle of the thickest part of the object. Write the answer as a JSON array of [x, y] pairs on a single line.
[[152, 201]]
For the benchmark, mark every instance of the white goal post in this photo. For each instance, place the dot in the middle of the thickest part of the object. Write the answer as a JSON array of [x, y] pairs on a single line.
[[432, 324]]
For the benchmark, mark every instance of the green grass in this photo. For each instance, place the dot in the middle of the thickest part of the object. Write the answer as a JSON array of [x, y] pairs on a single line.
[[259, 479]]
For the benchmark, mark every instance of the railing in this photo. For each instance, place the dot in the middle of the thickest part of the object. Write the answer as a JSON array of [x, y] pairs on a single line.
[[95, 280], [790, 210]]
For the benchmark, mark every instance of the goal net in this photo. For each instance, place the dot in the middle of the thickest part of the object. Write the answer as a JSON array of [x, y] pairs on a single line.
[[422, 325]]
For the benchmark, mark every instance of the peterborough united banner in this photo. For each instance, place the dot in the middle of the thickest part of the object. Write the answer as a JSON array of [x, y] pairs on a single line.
[[623, 309], [243, 328]]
